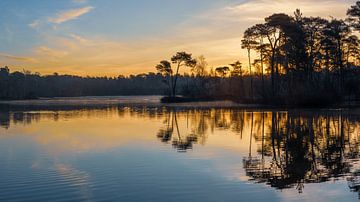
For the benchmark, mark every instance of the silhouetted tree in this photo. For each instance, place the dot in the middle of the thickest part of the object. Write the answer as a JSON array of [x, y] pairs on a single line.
[[164, 68], [304, 61], [354, 15], [222, 71], [181, 59], [352, 49], [200, 69], [237, 69], [249, 43]]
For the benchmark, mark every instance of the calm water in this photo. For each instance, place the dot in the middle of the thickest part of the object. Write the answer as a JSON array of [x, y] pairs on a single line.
[[162, 154]]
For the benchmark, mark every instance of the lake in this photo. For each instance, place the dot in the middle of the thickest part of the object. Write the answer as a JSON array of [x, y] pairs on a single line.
[[120, 153]]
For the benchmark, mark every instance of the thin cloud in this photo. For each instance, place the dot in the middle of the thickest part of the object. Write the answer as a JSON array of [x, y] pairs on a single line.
[[215, 33], [35, 24], [17, 58], [70, 15], [80, 39], [50, 52]]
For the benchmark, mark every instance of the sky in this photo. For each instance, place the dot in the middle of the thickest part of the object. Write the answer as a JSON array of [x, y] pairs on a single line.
[[113, 37]]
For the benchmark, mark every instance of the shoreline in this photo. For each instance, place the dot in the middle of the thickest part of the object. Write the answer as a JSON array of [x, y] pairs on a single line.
[[142, 101]]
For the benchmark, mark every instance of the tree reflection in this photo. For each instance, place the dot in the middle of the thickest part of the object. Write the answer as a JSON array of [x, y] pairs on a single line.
[[5, 119], [294, 148], [172, 133], [306, 148], [285, 149]]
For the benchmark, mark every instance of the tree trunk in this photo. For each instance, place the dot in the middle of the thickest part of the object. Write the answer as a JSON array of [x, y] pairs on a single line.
[[262, 71], [175, 80], [251, 79]]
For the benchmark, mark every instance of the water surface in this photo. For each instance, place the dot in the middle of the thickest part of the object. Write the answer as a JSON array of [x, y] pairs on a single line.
[[168, 154]]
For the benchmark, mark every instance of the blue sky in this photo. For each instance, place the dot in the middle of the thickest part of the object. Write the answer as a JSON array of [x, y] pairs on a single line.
[[111, 37], [116, 19]]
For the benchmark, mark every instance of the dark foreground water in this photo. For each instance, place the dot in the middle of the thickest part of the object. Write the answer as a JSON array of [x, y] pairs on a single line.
[[163, 154]]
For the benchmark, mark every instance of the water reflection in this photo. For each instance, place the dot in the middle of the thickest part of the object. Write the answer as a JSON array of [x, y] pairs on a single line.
[[171, 133], [285, 149], [294, 148]]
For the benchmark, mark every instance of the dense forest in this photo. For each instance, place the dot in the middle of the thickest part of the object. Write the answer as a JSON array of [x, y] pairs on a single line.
[[292, 60]]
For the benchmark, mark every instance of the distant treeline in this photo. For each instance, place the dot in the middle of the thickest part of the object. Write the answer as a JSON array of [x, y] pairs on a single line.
[[292, 60], [27, 85]]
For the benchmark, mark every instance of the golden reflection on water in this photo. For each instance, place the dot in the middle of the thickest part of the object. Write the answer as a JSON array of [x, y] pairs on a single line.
[[281, 149], [81, 130]]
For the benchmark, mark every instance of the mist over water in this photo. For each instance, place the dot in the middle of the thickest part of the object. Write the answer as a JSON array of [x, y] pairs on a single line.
[[170, 154]]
